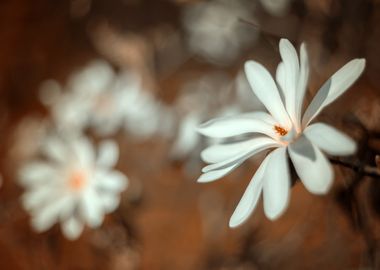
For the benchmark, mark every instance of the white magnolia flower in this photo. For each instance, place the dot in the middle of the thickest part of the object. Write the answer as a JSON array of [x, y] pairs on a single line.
[[73, 186], [284, 131]]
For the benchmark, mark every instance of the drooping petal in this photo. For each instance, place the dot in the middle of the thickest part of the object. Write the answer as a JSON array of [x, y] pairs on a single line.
[[250, 197], [72, 228], [330, 140], [108, 154], [90, 209], [261, 144], [333, 88], [311, 166], [236, 125], [221, 152], [276, 187], [302, 82], [266, 91], [218, 173], [291, 69]]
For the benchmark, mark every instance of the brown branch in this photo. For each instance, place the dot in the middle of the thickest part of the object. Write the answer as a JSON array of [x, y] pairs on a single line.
[[365, 170]]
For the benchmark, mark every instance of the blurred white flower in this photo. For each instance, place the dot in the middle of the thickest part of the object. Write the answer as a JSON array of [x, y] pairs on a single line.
[[73, 186], [215, 30], [282, 130], [99, 99]]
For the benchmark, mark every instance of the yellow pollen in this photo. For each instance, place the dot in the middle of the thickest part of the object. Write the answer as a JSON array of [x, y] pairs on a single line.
[[77, 180], [280, 130]]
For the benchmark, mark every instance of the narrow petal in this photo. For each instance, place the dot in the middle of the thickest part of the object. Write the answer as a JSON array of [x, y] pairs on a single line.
[[236, 125], [302, 82], [72, 228], [261, 144], [54, 148], [91, 210], [84, 151], [221, 152], [281, 79], [266, 91], [330, 140], [36, 173], [311, 166], [113, 181], [333, 88], [217, 174], [250, 197], [108, 154], [291, 69], [276, 188]]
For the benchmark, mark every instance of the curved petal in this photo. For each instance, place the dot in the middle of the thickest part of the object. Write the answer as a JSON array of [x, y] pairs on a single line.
[[302, 82], [108, 154], [281, 77], [260, 145], [330, 140], [236, 125], [250, 197], [84, 151], [54, 149], [221, 152], [113, 181], [266, 91], [91, 210], [217, 174], [291, 69], [311, 166], [36, 173], [333, 88], [276, 188]]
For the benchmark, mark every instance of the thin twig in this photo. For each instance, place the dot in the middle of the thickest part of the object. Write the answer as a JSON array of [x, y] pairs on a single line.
[[365, 170]]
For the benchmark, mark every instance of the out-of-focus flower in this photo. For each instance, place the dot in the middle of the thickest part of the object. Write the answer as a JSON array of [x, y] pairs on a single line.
[[283, 130], [276, 7], [215, 30], [99, 99], [73, 186]]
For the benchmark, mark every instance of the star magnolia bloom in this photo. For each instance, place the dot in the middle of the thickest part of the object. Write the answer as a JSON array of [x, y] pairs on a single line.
[[72, 186], [283, 131]]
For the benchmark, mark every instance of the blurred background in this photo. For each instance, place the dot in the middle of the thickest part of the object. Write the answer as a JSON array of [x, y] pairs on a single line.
[[160, 68]]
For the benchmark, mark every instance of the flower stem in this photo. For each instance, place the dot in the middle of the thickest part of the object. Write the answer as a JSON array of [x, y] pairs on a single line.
[[365, 170]]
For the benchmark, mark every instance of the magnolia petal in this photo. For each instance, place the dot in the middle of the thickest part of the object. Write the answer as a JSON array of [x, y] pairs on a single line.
[[72, 228], [236, 125], [37, 197], [266, 91], [108, 154], [109, 202], [311, 166], [221, 152], [276, 187], [302, 82], [91, 210], [250, 197], [281, 78], [84, 151], [261, 144], [217, 174], [113, 181], [333, 88], [291, 69], [330, 140], [54, 149], [36, 173]]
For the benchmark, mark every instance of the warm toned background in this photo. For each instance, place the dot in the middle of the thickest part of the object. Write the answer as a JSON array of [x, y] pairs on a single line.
[[166, 220]]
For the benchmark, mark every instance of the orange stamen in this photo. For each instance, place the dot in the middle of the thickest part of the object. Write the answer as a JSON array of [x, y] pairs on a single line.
[[77, 180], [280, 130]]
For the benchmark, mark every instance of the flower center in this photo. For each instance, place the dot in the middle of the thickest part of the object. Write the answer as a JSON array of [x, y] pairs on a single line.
[[280, 130], [77, 180]]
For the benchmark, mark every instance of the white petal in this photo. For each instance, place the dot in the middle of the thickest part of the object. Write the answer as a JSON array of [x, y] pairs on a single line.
[[330, 140], [302, 82], [112, 181], [91, 209], [237, 125], [333, 88], [281, 78], [266, 91], [109, 202], [108, 154], [276, 188], [261, 144], [311, 166], [72, 228], [37, 197], [291, 69], [54, 148], [36, 173], [250, 197], [216, 174], [221, 152], [84, 151]]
